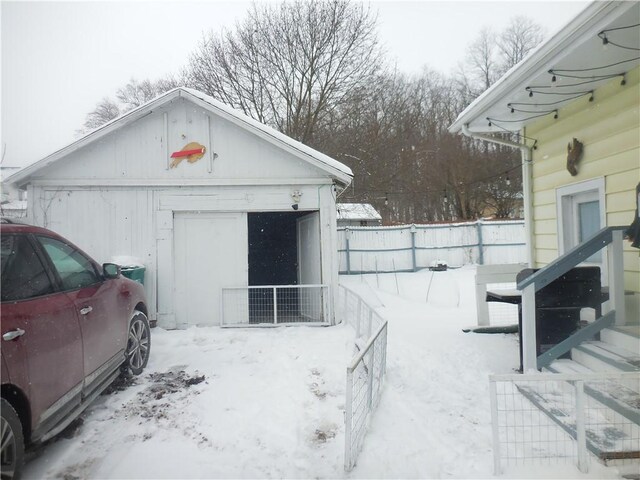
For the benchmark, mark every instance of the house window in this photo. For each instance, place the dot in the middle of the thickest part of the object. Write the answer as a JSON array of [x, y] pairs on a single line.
[[581, 213]]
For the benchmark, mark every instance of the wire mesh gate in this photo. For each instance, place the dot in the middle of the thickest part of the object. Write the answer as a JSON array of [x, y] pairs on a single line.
[[565, 418], [275, 304]]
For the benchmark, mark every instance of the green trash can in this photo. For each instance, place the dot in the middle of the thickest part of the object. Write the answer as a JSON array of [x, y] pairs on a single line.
[[134, 273]]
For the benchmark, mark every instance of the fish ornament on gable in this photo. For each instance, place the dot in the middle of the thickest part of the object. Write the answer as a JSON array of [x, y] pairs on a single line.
[[574, 154], [192, 152]]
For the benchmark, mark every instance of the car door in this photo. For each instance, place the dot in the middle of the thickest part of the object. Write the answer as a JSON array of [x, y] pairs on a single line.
[[99, 306], [41, 339]]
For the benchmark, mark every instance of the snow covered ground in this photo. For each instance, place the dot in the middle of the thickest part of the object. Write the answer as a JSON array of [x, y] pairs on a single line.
[[269, 402]]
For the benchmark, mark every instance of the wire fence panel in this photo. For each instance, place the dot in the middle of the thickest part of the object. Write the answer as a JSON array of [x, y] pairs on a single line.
[[365, 373], [548, 419], [274, 304]]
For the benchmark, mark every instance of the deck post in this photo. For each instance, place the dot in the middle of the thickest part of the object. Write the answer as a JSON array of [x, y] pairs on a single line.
[[616, 277], [529, 356]]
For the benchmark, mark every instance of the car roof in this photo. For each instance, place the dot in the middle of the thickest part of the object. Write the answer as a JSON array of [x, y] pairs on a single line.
[[12, 225]]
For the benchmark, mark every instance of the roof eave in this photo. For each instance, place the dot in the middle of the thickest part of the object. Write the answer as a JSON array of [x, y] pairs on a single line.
[[553, 48]]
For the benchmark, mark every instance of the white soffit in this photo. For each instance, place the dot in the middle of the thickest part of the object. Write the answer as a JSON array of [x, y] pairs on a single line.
[[526, 93]]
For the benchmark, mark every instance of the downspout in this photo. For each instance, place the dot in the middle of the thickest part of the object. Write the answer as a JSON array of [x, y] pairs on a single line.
[[527, 193]]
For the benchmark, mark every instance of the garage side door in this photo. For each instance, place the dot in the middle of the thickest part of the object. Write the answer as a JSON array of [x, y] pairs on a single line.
[[309, 267], [211, 252]]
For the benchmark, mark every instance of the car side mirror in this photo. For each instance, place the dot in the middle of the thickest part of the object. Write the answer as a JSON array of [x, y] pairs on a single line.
[[110, 270]]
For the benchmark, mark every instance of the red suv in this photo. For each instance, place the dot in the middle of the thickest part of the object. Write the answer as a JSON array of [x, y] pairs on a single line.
[[69, 328]]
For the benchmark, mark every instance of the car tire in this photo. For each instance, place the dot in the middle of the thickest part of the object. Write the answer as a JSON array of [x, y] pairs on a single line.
[[12, 454], [138, 343]]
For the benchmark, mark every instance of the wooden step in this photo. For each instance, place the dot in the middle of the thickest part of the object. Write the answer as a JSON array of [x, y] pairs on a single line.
[[627, 337], [605, 440], [604, 357], [615, 398]]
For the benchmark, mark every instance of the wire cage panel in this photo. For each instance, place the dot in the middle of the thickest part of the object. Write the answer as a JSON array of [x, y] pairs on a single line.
[[275, 304], [565, 418]]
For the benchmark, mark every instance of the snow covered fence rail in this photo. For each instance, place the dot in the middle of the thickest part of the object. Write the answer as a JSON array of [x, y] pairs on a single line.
[[407, 248], [554, 418], [365, 372]]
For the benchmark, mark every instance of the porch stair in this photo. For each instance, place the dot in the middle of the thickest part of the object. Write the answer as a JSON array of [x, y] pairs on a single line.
[[615, 439], [608, 442]]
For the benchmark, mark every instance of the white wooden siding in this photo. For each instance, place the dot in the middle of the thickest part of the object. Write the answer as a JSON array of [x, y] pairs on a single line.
[[138, 154], [609, 128], [139, 222]]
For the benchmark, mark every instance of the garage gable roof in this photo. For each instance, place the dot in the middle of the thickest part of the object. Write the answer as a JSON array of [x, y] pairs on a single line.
[[335, 169], [569, 65]]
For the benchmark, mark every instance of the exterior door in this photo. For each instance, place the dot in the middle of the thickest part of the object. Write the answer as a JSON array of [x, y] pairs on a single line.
[[310, 266], [581, 215], [211, 252]]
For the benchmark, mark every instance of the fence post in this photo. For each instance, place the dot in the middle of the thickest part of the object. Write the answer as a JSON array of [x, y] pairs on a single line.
[[384, 351], [348, 419], [275, 305], [413, 248], [345, 313], [480, 242], [370, 377], [581, 435], [347, 236], [494, 424]]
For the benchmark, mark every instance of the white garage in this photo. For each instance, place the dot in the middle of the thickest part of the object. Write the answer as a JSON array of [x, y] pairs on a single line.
[[234, 222]]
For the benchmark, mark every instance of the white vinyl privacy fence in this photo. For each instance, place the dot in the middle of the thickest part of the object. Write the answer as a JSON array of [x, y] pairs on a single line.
[[408, 248], [365, 372]]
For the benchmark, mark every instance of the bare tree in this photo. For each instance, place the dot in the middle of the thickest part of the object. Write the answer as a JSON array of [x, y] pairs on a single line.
[[482, 58], [520, 37], [289, 64], [491, 54], [131, 96], [105, 111], [135, 93]]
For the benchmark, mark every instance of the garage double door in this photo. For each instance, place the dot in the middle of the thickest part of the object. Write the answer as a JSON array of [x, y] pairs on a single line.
[[211, 252]]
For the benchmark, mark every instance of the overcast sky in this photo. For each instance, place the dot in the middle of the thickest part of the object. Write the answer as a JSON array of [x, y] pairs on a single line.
[[60, 58]]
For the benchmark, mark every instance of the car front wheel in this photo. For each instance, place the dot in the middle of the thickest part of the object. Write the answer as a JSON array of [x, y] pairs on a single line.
[[139, 343], [12, 442]]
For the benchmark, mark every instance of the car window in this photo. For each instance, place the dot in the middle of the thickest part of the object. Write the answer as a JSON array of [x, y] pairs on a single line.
[[75, 270], [23, 274]]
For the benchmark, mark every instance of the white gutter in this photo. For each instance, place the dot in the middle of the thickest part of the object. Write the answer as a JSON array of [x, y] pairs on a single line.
[[527, 192]]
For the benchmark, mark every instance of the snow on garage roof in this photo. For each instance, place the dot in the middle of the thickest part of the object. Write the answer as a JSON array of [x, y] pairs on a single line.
[[357, 211], [337, 170]]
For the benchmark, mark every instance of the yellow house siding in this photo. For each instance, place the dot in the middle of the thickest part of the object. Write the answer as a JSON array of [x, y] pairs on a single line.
[[609, 128]]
